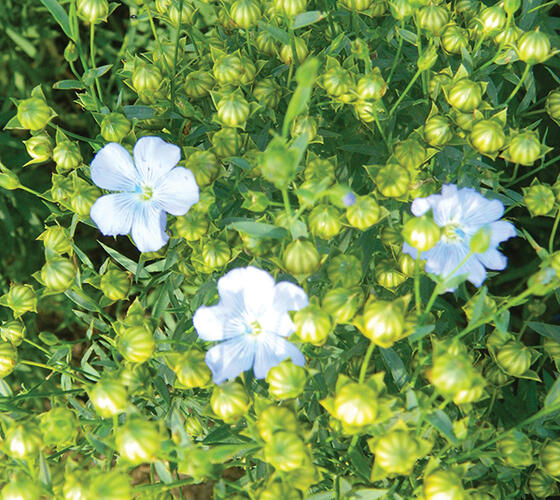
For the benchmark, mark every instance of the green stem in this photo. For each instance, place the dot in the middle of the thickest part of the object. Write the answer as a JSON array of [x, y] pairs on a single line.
[[248, 40], [403, 95], [382, 133], [54, 369], [397, 57], [417, 297], [534, 171], [553, 233], [287, 205], [365, 362], [92, 59], [519, 83], [179, 26]]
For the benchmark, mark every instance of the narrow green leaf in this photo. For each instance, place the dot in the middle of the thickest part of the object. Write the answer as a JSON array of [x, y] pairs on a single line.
[[127, 263], [68, 85], [22, 42], [139, 111], [258, 229], [307, 18], [553, 396], [369, 494], [280, 35], [443, 424], [60, 16], [546, 330], [396, 366]]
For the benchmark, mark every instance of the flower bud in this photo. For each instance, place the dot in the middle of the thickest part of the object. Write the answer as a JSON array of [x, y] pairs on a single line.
[[285, 451], [392, 180], [287, 53], [111, 485], [371, 86], [301, 258], [290, 8], [487, 136], [383, 321], [514, 358], [56, 241], [245, 13], [39, 147], [465, 95], [550, 458], [454, 39], [229, 401], [342, 303], [533, 47], [427, 59], [21, 488], [70, 52], [363, 213], [58, 273], [13, 332], [523, 148], [115, 127], [115, 284], [552, 105], [515, 449], [433, 18], [191, 370], [198, 84], [23, 440], [136, 344], [542, 485], [20, 299], [421, 233], [227, 142], [355, 405], [8, 179], [233, 110], [93, 11], [108, 397], [204, 165], [480, 240], [192, 226], [443, 485], [344, 271], [387, 276], [396, 452], [215, 254], [324, 221], [437, 131], [274, 419], [34, 113], [286, 380], [138, 441], [59, 427], [539, 199], [67, 156], [492, 20], [8, 358]]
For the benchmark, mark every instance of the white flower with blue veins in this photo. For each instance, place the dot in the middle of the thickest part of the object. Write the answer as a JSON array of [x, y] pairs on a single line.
[[252, 321], [460, 213], [148, 188]]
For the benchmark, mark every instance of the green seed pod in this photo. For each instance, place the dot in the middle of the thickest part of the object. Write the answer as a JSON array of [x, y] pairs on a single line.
[[443, 485], [274, 419], [34, 113], [267, 92], [83, 197], [286, 380], [204, 165], [396, 452], [56, 241], [342, 303], [495, 375], [21, 488], [542, 485], [387, 276], [67, 156], [383, 322], [108, 397], [193, 426], [58, 274], [355, 405], [454, 39], [492, 20], [62, 187], [324, 221], [539, 199], [136, 344], [437, 131], [552, 105], [392, 180], [115, 127], [20, 299], [111, 485], [192, 226], [407, 264], [304, 124], [433, 18], [313, 325], [93, 11], [301, 258], [290, 8], [357, 5], [23, 440], [285, 451], [363, 213], [514, 358], [138, 441], [245, 13], [185, 16], [410, 154], [552, 348], [277, 489], [371, 86], [8, 179], [266, 43], [487, 136], [287, 54], [39, 147], [215, 254], [115, 284], [533, 47], [59, 427], [191, 370], [516, 450], [198, 84], [8, 358], [523, 148], [543, 281], [511, 6], [13, 332], [345, 271], [227, 142], [233, 110], [368, 111], [467, 8], [421, 233], [465, 95], [146, 79], [550, 458], [229, 401], [451, 374], [337, 81], [508, 36], [227, 69], [196, 463]]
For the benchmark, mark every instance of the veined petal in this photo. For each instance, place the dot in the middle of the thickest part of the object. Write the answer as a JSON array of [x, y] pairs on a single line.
[[154, 158], [177, 191], [230, 358], [422, 205], [501, 231], [478, 210], [148, 227], [114, 213], [271, 350], [448, 208], [475, 270], [493, 259], [289, 297], [276, 322], [112, 169], [217, 323]]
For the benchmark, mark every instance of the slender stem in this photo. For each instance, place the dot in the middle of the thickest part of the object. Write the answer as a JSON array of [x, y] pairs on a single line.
[[403, 95], [248, 39], [54, 369], [534, 171], [365, 362], [553, 233], [397, 57], [287, 206], [179, 25], [519, 83], [92, 58], [382, 133], [417, 297]]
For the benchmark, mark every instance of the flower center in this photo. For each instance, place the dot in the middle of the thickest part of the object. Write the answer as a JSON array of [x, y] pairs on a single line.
[[253, 328], [145, 192], [452, 233]]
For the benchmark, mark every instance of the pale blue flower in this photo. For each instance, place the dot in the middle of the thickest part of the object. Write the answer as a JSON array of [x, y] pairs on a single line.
[[147, 189], [252, 320], [461, 213]]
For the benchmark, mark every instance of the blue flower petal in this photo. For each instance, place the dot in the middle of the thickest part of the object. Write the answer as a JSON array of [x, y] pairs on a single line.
[[217, 323], [230, 358], [148, 227], [475, 270], [501, 231], [493, 259], [112, 169], [114, 213], [478, 210], [176, 192], [154, 158], [271, 350]]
